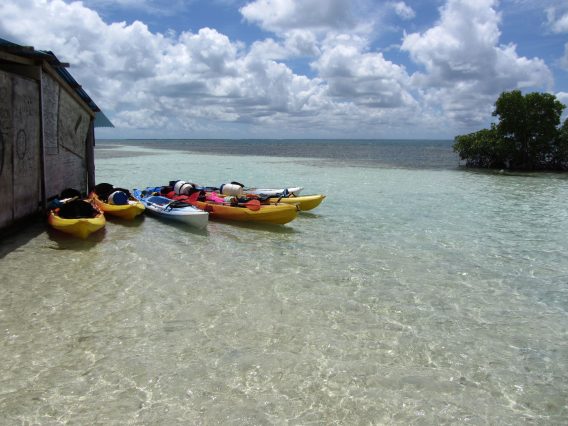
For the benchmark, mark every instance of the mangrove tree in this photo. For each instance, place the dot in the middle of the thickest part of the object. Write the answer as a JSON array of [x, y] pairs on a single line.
[[527, 136]]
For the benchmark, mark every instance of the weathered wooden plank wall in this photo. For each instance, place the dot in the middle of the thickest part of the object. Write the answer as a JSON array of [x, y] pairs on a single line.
[[65, 133], [65, 129], [27, 169], [6, 145], [19, 125]]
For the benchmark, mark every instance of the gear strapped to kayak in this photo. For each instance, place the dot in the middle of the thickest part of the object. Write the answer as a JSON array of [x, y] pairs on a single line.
[[286, 195], [232, 208], [177, 204], [117, 202], [72, 215]]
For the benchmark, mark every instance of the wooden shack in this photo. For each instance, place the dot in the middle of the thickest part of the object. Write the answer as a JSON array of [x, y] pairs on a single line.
[[47, 135]]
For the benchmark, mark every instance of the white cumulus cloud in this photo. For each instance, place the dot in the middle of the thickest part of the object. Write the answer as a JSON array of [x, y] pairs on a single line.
[[297, 43], [147, 78], [280, 16], [204, 83], [403, 10], [364, 78], [558, 24], [465, 66]]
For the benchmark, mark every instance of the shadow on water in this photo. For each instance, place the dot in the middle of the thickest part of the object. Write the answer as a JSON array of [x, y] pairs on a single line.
[[308, 215], [20, 235], [273, 228], [129, 223], [177, 225], [68, 242]]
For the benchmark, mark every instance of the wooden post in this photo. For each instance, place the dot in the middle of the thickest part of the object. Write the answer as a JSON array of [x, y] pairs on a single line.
[[42, 144], [90, 156]]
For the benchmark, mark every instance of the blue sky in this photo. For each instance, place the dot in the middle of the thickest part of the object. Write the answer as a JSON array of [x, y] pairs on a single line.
[[299, 68]]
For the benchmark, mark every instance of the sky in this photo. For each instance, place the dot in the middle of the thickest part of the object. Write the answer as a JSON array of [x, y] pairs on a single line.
[[415, 69]]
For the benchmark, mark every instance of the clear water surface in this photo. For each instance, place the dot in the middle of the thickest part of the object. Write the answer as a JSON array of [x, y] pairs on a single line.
[[417, 293]]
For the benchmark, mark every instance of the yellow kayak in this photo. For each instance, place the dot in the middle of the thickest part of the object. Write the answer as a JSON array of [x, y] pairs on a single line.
[[79, 227], [275, 196], [277, 214], [127, 211], [304, 202]]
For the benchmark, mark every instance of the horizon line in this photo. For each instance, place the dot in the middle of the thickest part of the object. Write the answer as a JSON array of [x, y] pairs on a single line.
[[276, 139]]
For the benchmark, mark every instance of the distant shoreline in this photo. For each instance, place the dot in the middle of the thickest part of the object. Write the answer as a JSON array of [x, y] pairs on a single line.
[[401, 153], [275, 139]]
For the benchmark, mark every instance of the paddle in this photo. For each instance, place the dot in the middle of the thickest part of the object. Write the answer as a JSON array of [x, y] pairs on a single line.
[[253, 205], [68, 200]]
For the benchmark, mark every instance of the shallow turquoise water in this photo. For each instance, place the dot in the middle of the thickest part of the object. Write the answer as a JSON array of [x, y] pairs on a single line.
[[410, 296]]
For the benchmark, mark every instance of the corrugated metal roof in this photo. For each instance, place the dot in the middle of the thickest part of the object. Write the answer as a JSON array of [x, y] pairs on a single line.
[[101, 119]]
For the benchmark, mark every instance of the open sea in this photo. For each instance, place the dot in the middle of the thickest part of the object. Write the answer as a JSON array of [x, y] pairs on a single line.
[[418, 293]]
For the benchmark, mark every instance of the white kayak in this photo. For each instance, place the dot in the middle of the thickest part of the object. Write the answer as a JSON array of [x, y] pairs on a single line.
[[274, 192], [182, 187], [174, 210]]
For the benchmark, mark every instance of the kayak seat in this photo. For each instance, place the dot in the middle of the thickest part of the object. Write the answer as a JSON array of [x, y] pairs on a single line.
[[77, 209]]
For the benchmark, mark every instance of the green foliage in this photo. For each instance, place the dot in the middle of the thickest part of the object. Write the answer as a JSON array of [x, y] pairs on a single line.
[[480, 149], [526, 137], [561, 153]]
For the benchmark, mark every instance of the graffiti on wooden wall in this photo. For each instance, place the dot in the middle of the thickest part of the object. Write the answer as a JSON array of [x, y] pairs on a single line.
[[25, 155], [21, 144], [25, 142], [25, 116], [66, 125], [73, 125]]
